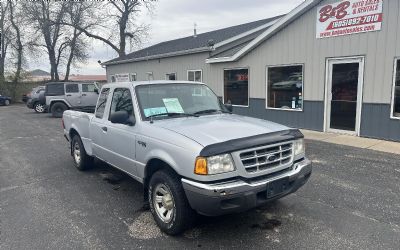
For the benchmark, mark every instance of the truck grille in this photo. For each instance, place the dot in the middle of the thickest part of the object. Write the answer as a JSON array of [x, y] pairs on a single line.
[[267, 157]]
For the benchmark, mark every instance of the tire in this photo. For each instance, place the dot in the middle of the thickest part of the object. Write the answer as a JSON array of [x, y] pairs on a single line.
[[39, 108], [82, 161], [7, 102], [173, 199], [57, 109]]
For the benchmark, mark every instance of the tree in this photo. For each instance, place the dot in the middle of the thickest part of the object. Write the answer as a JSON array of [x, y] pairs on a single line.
[[4, 36], [46, 18], [77, 45], [18, 41], [104, 18]]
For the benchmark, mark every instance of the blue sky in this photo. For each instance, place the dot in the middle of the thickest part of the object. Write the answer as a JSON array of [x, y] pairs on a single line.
[[172, 19]]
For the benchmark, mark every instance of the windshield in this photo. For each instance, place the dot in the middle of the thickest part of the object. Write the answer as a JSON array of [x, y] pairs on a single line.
[[163, 101]]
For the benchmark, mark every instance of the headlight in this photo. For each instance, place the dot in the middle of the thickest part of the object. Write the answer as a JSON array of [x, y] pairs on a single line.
[[299, 147], [214, 165]]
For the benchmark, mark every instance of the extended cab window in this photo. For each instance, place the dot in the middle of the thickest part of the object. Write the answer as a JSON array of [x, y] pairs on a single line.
[[71, 88], [101, 103], [88, 88], [121, 100]]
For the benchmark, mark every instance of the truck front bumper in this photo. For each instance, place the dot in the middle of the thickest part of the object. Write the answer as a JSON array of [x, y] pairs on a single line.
[[241, 195]]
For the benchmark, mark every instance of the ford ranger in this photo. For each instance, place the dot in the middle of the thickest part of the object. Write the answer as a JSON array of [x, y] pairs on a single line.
[[188, 150]]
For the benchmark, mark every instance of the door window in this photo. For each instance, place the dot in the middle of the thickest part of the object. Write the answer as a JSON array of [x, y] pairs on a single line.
[[88, 88], [101, 103], [344, 96], [71, 88], [396, 91], [121, 101]]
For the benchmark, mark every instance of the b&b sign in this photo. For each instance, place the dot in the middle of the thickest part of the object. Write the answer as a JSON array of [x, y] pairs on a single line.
[[349, 17]]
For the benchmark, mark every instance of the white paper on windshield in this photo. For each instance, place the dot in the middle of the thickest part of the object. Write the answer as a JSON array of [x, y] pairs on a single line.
[[155, 111], [173, 105]]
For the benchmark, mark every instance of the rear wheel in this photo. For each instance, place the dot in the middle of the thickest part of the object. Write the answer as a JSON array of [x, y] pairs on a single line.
[[168, 203], [39, 108], [81, 159], [57, 109]]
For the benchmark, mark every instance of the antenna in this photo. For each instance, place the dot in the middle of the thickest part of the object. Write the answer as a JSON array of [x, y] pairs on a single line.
[[195, 30]]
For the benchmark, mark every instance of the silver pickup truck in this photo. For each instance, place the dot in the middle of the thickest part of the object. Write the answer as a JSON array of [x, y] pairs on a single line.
[[188, 150]]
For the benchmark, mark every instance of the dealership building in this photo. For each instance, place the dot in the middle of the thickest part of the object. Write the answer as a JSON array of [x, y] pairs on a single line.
[[327, 66]]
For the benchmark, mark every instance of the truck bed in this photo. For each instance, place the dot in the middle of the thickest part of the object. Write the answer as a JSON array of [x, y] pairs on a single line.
[[79, 121]]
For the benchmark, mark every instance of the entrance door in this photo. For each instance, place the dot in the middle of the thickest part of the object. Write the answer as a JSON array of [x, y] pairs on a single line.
[[344, 95]]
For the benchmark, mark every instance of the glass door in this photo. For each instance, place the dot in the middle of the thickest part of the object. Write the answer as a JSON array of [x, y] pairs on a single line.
[[344, 95]]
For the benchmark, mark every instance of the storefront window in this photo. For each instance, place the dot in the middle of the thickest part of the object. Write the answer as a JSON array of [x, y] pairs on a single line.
[[396, 91], [285, 87], [236, 87]]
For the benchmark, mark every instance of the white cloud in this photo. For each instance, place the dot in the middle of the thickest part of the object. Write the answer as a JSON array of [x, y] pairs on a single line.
[[173, 19]]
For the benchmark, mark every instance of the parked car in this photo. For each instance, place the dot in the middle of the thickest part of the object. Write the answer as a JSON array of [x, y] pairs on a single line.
[[294, 82], [188, 150], [61, 96], [25, 97], [36, 100], [5, 100]]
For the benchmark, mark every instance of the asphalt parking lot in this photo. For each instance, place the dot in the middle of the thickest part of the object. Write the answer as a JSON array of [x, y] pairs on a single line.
[[352, 201]]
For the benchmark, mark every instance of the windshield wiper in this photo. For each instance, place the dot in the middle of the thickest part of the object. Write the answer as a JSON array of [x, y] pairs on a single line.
[[171, 115], [209, 111]]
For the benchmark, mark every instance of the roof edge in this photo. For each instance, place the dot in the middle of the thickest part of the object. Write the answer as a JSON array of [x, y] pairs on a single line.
[[197, 50], [159, 56], [244, 34], [294, 14]]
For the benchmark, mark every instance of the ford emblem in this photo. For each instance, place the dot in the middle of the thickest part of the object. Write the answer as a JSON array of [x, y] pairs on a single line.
[[271, 158]]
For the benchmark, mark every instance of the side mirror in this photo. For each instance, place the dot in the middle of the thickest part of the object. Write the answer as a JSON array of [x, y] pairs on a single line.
[[96, 90], [122, 117], [229, 107]]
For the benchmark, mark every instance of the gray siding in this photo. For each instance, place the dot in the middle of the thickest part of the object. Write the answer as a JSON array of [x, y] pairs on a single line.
[[376, 123]]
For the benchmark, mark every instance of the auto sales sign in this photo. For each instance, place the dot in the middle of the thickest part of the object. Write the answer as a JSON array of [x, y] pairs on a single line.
[[349, 17]]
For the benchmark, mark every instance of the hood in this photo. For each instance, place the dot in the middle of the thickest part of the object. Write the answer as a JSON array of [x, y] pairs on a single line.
[[211, 129]]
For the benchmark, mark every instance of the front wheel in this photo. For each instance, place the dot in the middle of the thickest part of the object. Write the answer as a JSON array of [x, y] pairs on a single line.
[[168, 203], [81, 159], [39, 108], [7, 102]]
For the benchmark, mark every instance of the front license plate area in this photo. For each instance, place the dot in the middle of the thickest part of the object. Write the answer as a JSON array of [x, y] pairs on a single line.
[[277, 187]]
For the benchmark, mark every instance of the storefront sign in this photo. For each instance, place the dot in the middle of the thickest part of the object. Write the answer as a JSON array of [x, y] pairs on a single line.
[[122, 77], [349, 17]]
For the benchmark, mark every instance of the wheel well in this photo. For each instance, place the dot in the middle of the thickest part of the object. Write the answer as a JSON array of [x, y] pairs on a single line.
[[153, 166], [54, 102], [72, 133]]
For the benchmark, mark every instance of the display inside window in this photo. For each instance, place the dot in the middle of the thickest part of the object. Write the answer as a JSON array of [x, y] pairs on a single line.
[[171, 76], [236, 87], [285, 87], [396, 95], [194, 75]]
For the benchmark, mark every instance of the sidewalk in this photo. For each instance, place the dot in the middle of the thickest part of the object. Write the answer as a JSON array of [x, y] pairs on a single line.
[[354, 141]]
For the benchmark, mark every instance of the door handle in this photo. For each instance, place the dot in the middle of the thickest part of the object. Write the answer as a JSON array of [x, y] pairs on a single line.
[[83, 94], [69, 95], [104, 129]]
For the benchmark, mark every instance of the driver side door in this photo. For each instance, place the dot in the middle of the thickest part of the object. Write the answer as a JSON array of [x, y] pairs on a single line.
[[120, 138]]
